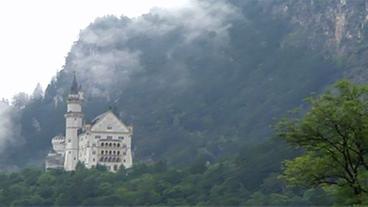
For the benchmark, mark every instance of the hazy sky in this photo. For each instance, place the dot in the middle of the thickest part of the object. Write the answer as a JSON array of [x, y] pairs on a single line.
[[36, 35]]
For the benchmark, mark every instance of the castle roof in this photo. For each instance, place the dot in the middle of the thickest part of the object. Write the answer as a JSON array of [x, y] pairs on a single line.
[[75, 87], [99, 117], [108, 119]]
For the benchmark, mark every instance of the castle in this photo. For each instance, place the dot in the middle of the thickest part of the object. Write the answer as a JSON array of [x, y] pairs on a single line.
[[105, 141]]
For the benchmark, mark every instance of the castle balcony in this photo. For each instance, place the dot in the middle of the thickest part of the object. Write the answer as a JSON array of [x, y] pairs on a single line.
[[110, 158]]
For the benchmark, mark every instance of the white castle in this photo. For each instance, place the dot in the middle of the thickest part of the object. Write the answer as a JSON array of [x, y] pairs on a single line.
[[106, 141]]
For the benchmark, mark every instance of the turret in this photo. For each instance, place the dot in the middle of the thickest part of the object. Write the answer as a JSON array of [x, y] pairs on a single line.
[[74, 122]]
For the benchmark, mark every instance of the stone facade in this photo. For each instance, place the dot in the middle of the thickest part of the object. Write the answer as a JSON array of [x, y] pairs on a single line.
[[106, 141]]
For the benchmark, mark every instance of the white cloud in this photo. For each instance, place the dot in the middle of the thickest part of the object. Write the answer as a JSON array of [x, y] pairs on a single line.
[[9, 129], [36, 35], [102, 57]]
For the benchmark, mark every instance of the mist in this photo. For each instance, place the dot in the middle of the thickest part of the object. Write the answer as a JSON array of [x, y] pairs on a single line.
[[9, 127], [108, 53]]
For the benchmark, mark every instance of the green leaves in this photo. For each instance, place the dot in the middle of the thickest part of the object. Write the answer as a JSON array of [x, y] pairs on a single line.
[[334, 135]]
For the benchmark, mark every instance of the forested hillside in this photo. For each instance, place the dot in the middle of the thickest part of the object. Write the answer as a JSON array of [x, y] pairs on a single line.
[[230, 182], [329, 169], [202, 85], [198, 86]]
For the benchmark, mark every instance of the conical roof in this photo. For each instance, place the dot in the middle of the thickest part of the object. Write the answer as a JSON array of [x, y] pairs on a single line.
[[75, 88]]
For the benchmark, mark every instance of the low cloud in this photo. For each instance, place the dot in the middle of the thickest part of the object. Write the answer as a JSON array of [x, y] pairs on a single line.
[[112, 50], [9, 129], [103, 70]]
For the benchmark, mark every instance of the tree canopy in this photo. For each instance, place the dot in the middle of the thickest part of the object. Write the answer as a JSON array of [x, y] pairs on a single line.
[[334, 136]]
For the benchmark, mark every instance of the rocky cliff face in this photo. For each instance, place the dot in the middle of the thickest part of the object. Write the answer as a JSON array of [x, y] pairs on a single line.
[[337, 28]]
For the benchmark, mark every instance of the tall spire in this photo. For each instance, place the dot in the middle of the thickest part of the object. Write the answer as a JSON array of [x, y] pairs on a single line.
[[75, 88]]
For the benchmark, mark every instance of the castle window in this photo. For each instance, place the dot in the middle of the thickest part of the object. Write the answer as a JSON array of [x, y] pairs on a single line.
[[118, 152], [118, 145], [124, 153], [93, 152], [110, 152], [109, 127], [110, 145], [124, 160], [97, 137], [109, 137], [101, 159], [114, 152], [102, 144], [115, 167], [114, 144], [121, 137], [102, 152], [94, 159]]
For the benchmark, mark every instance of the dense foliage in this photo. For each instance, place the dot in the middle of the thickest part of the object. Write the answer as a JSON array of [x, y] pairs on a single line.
[[334, 135], [190, 90], [231, 182], [330, 169], [202, 86]]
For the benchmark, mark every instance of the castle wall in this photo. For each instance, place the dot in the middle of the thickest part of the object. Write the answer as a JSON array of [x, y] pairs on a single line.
[[110, 149]]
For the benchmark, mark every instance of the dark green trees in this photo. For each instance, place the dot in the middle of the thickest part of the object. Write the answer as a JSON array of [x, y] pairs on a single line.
[[334, 136]]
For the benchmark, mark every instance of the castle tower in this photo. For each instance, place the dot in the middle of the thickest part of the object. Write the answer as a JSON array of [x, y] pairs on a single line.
[[74, 122]]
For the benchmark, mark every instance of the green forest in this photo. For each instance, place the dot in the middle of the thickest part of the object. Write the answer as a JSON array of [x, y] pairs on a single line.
[[239, 102], [327, 164]]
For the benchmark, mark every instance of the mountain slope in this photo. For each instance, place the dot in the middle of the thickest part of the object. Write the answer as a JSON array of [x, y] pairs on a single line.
[[198, 82]]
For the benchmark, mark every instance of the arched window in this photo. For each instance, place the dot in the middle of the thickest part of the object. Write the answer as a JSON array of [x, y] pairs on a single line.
[[102, 144], [114, 144], [110, 152], [118, 145], [118, 152], [101, 159], [102, 152], [110, 144], [114, 152]]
